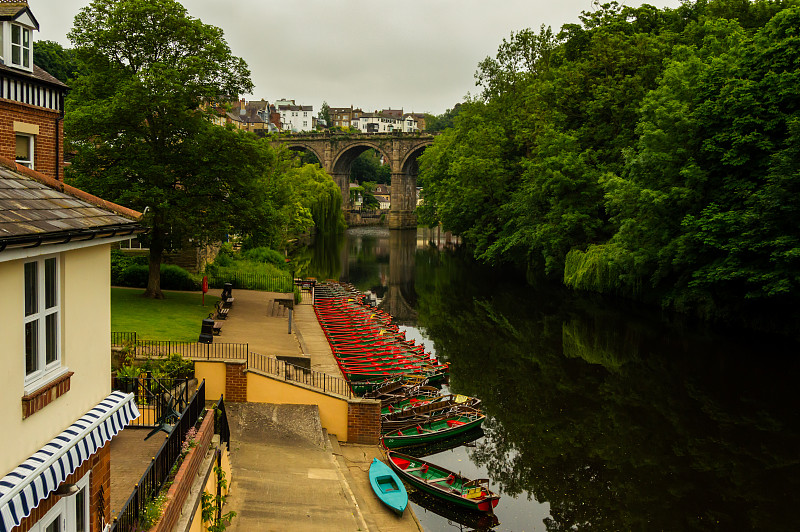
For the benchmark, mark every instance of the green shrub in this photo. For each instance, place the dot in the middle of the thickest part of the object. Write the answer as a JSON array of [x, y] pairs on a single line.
[[176, 366], [134, 275], [172, 277], [176, 278], [266, 255], [223, 261], [120, 261]]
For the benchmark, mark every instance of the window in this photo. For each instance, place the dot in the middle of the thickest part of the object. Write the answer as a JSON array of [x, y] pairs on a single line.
[[20, 46], [42, 319], [305, 123], [69, 514], [25, 150]]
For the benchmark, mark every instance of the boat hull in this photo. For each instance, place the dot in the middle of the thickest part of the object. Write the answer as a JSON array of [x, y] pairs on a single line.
[[388, 486]]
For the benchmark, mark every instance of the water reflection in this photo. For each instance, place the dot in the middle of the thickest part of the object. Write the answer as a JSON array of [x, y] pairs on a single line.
[[617, 417]]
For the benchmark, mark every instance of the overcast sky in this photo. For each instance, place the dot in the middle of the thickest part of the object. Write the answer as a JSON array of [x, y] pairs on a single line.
[[418, 55]]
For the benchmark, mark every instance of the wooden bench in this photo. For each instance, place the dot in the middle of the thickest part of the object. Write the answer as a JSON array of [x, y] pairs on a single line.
[[217, 327], [221, 310]]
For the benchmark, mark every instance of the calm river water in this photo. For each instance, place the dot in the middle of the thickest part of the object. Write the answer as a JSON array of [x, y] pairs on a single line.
[[600, 415]]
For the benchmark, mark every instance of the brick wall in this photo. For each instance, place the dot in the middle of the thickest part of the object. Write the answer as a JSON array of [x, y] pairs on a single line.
[[363, 421], [42, 397], [49, 139], [185, 477], [235, 381], [99, 492]]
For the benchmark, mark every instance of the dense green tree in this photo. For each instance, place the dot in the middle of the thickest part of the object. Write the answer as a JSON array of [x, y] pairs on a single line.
[[58, 61], [325, 114], [137, 125], [443, 121], [646, 152], [368, 167]]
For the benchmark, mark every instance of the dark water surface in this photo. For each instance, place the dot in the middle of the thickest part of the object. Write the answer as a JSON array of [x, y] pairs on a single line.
[[601, 415]]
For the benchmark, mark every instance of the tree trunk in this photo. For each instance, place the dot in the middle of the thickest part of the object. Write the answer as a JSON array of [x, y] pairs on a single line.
[[153, 290]]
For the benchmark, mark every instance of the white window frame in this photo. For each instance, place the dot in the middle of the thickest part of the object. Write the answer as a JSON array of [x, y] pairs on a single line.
[[53, 514], [72, 508], [44, 371], [25, 52], [31, 147]]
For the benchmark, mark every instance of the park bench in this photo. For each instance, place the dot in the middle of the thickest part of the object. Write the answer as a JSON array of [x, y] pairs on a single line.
[[217, 327], [221, 311]]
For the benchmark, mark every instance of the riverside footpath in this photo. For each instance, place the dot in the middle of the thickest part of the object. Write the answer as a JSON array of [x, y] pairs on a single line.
[[288, 473]]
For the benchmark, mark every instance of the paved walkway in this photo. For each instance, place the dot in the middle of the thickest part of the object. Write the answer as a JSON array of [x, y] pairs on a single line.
[[288, 475]]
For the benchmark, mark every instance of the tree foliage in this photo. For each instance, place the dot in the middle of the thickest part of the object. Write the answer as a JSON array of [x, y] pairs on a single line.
[[325, 114], [368, 167], [646, 152], [136, 122], [58, 61]]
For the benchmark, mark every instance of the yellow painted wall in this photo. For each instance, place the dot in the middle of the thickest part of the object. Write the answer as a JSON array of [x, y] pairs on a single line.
[[86, 346], [211, 488], [332, 411], [214, 374]]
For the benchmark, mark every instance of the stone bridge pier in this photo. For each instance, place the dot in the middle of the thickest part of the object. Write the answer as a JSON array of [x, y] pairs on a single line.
[[336, 153]]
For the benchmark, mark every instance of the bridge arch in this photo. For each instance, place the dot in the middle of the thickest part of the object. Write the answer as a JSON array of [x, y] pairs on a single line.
[[336, 153], [306, 147]]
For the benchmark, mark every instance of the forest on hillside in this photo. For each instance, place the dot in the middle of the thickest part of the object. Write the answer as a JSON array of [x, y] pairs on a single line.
[[646, 153]]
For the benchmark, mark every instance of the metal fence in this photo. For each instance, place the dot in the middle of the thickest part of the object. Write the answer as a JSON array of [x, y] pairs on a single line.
[[159, 469], [290, 372], [221, 426], [161, 348], [119, 339], [157, 398], [254, 281]]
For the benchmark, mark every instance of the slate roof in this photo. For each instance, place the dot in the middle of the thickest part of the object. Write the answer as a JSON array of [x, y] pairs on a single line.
[[33, 205], [9, 10], [38, 74]]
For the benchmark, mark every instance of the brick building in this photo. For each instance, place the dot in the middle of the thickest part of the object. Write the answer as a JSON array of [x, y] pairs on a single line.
[[57, 406], [31, 100]]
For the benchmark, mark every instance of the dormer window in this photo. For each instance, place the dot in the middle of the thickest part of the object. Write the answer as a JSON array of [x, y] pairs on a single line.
[[20, 46]]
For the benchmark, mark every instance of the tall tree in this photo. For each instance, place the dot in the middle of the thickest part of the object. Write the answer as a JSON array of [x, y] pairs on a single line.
[[136, 120], [325, 114], [58, 61]]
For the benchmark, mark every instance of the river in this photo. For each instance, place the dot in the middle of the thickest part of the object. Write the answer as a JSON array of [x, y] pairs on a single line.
[[601, 415]]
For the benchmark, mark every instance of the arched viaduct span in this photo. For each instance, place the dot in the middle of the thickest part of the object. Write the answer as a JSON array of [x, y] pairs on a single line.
[[336, 153]]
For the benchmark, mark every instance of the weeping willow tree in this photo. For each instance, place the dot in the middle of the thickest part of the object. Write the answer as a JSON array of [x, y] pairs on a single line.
[[315, 192]]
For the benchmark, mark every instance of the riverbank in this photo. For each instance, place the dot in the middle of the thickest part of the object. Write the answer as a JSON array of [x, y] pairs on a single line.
[[288, 473]]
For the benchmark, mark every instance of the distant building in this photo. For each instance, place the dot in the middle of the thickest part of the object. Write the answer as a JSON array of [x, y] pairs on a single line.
[[344, 116], [295, 118], [386, 121]]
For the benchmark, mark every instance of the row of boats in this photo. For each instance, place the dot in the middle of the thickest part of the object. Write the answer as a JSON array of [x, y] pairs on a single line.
[[416, 417]]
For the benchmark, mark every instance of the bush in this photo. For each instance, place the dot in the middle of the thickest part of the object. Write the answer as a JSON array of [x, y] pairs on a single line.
[[176, 278], [120, 261], [134, 276], [266, 255], [172, 277]]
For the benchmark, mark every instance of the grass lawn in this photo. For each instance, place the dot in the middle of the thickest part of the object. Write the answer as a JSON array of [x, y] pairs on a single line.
[[178, 317]]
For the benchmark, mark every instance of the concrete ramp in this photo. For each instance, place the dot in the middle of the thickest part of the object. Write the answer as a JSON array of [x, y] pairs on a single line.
[[284, 475], [268, 423]]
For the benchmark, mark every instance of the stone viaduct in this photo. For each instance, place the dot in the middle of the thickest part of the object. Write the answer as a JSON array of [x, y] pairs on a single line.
[[337, 151]]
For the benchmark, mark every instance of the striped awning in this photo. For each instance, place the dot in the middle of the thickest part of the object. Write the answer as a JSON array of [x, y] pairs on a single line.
[[32, 481]]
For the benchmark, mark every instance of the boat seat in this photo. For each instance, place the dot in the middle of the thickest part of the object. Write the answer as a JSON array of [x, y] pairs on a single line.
[[449, 479], [423, 468], [474, 493]]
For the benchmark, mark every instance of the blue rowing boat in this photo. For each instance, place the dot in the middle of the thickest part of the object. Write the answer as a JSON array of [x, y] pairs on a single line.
[[387, 486]]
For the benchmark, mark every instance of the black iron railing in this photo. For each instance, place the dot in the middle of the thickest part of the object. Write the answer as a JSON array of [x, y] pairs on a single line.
[[157, 398], [216, 350], [253, 281], [290, 372], [157, 472], [221, 426], [119, 339]]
